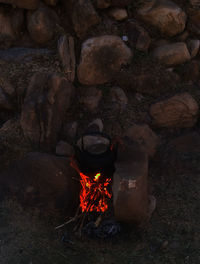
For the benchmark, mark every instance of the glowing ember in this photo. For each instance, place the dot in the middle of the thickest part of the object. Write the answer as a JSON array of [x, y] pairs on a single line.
[[96, 177]]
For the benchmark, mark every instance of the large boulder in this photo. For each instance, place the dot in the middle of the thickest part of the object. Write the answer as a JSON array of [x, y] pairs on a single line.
[[47, 99], [82, 14], [178, 111], [26, 4], [42, 180], [165, 15], [64, 149], [101, 57], [172, 54], [41, 25], [11, 26]]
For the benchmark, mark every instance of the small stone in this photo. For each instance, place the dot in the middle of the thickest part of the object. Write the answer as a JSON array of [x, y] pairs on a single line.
[[98, 123], [138, 37], [64, 149], [102, 4], [193, 47], [119, 98], [172, 54], [178, 111], [118, 13], [145, 137], [165, 15], [101, 57], [91, 98], [125, 38]]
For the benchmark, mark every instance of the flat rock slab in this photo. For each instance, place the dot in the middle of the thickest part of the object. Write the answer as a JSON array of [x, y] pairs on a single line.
[[130, 195], [22, 54]]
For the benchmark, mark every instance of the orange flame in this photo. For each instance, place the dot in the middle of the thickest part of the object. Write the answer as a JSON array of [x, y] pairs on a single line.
[[94, 194]]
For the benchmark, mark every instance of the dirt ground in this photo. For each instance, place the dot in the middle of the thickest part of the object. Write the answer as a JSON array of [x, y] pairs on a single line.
[[172, 235]]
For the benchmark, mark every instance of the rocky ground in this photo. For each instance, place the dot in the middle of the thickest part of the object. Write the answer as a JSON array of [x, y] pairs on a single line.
[[132, 64]]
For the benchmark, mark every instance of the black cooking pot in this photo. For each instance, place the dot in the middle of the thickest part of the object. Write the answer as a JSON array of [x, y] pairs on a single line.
[[96, 156]]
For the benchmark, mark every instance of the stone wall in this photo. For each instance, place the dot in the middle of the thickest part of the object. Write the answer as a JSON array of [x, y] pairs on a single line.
[[134, 64]]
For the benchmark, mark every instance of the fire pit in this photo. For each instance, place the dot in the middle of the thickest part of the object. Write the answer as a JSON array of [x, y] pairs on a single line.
[[94, 159], [113, 184]]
